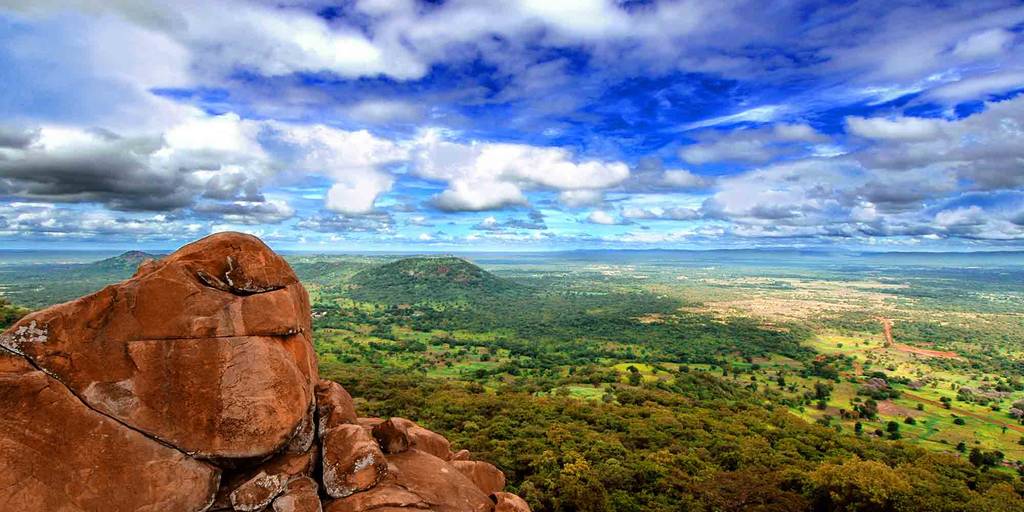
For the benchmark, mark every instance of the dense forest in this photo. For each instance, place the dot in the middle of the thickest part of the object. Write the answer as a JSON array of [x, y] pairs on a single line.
[[701, 444]]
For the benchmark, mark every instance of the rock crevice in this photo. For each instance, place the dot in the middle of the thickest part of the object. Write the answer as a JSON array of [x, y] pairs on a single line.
[[193, 386]]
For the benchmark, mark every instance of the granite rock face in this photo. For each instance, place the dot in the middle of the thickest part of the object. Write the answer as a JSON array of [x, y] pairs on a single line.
[[193, 386]]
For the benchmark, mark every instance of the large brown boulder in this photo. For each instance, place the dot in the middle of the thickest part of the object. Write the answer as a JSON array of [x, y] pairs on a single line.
[[334, 405], [193, 386], [300, 496], [207, 350], [399, 434], [352, 460], [59, 455], [508, 502], [421, 481], [487, 478]]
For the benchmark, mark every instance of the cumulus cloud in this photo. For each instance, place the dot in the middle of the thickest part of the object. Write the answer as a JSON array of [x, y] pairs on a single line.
[[897, 129], [215, 157], [475, 196], [353, 160], [753, 145], [49, 221], [975, 222], [224, 160], [889, 187], [137, 65], [482, 176], [602, 217], [984, 149], [581, 198], [651, 175]]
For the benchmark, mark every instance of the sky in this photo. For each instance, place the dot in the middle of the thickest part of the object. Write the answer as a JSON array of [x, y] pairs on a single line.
[[405, 125]]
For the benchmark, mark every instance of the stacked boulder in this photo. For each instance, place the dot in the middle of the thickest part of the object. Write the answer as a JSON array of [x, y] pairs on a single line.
[[193, 386]]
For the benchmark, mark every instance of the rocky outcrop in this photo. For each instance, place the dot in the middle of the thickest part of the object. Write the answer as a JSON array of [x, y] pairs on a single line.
[[193, 386]]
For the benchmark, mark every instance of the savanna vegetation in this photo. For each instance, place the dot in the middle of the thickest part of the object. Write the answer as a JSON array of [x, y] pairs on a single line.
[[639, 382]]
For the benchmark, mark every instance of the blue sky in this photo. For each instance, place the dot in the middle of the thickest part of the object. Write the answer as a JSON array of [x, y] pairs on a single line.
[[513, 125]]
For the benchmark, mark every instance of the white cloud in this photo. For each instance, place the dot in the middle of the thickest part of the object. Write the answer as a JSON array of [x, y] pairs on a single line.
[[601, 217], [385, 111], [681, 178], [659, 213], [463, 195], [352, 159], [762, 114], [752, 145], [965, 216], [356, 193], [984, 149], [986, 43], [110, 63], [541, 166], [49, 221], [216, 157], [899, 129], [492, 175], [581, 198], [978, 86]]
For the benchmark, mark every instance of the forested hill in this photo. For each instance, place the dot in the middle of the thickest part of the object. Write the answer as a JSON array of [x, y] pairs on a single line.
[[128, 261], [427, 279]]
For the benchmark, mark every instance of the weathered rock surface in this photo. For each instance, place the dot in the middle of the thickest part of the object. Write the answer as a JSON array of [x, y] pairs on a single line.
[[397, 435], [485, 476], [334, 405], [508, 502], [216, 371], [352, 460], [58, 455], [193, 386], [257, 492], [423, 481], [300, 496]]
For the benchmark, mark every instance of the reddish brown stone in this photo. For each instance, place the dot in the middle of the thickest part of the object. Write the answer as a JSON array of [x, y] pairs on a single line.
[[334, 405], [424, 481], [305, 433], [508, 502], [57, 454], [205, 354], [399, 434], [487, 477], [393, 435], [352, 460], [257, 492], [300, 496], [287, 465], [382, 497], [207, 349], [369, 423], [461, 455]]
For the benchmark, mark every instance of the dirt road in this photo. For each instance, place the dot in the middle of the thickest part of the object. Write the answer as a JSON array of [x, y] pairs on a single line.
[[887, 329]]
